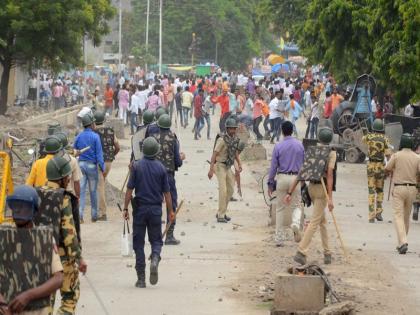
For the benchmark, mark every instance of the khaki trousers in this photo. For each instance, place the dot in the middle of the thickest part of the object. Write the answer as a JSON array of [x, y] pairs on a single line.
[[402, 201], [226, 180], [318, 219], [101, 189], [284, 212]]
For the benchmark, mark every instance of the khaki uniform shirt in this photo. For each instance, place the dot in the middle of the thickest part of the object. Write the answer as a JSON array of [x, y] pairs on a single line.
[[332, 158], [221, 149], [406, 166], [76, 175]]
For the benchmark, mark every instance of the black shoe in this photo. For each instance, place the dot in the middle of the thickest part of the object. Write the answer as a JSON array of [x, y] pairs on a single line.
[[379, 217], [102, 218], [94, 220], [233, 199], [154, 269], [416, 212], [222, 220], [170, 239], [403, 249], [300, 258], [227, 218], [327, 259], [141, 279]]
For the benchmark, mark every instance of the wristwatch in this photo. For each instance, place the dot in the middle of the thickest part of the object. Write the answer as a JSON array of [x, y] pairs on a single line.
[[289, 193]]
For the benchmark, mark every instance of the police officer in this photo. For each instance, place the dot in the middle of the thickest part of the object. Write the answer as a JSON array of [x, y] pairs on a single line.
[[140, 135], [24, 203], [378, 148], [55, 200], [37, 177], [405, 165], [149, 180], [90, 162], [110, 148], [172, 159], [320, 201], [154, 128], [224, 156]]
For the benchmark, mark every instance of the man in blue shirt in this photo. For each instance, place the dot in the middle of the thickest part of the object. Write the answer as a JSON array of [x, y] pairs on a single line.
[[149, 179], [89, 161]]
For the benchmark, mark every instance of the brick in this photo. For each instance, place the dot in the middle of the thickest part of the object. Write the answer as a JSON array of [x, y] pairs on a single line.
[[295, 293]]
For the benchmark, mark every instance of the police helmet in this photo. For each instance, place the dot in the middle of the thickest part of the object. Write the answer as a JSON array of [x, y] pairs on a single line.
[[53, 144], [99, 117], [148, 117], [164, 121], [24, 203], [231, 123], [151, 147], [57, 168], [378, 125], [407, 141]]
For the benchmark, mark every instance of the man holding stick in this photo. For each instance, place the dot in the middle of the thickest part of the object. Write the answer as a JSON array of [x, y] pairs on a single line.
[[321, 198], [149, 179]]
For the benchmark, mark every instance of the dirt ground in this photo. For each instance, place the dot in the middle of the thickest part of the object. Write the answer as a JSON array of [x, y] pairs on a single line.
[[231, 268]]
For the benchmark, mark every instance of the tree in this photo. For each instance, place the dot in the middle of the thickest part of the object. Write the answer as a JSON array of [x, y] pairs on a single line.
[[47, 33], [229, 31], [141, 55]]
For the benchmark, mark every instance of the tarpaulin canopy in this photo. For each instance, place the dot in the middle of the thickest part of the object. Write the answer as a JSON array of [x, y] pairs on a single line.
[[274, 59], [181, 68], [280, 67]]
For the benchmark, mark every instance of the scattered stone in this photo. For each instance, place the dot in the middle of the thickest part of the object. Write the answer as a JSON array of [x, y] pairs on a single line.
[[205, 223], [389, 221], [247, 204], [201, 246], [185, 174], [360, 250], [201, 203], [129, 265], [181, 254], [359, 216], [200, 151], [210, 197], [220, 300], [364, 244], [213, 226], [346, 307], [189, 220], [235, 289], [182, 233], [339, 203]]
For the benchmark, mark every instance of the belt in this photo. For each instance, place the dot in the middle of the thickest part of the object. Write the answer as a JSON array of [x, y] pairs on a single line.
[[406, 184], [376, 161], [288, 173]]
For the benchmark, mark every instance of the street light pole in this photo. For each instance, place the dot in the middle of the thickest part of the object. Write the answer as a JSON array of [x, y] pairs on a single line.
[[147, 31], [160, 37], [119, 36]]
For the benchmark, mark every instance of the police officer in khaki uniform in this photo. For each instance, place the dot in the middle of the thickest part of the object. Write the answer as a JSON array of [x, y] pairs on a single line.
[[378, 148], [54, 200], [110, 148], [320, 201], [405, 165], [226, 152], [24, 203]]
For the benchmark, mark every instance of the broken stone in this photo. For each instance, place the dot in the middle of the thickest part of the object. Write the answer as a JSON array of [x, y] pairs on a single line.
[[220, 300], [213, 226], [182, 233], [189, 220], [235, 289], [247, 204], [201, 203], [201, 246], [200, 151], [345, 307], [205, 223]]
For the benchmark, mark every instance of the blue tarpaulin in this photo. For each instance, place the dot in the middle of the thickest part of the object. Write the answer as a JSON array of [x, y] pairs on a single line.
[[280, 67]]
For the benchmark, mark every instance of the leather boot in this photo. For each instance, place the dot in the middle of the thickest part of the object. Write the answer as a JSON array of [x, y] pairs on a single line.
[[416, 211], [154, 269], [141, 278], [170, 239]]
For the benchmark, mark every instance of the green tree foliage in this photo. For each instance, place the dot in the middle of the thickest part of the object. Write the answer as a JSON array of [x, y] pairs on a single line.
[[227, 31], [351, 37], [47, 33]]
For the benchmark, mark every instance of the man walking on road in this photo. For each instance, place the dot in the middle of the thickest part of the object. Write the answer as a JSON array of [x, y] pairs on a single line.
[[378, 148], [320, 201], [172, 159], [405, 165], [110, 148], [287, 160], [226, 152], [149, 180], [89, 162]]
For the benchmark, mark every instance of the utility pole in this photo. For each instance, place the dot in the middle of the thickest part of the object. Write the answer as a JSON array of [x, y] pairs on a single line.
[[147, 31], [160, 37], [193, 49], [119, 37]]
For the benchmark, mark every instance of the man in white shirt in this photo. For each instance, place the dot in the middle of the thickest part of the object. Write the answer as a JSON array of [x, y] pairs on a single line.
[[276, 116], [134, 111], [314, 118], [374, 105]]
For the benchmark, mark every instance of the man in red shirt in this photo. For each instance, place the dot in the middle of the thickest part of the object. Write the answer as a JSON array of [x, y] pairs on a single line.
[[223, 101], [198, 114], [327, 105], [109, 98]]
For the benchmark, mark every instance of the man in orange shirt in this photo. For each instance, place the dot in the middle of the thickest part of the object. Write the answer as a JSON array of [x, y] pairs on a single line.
[[336, 99], [223, 101], [109, 98]]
